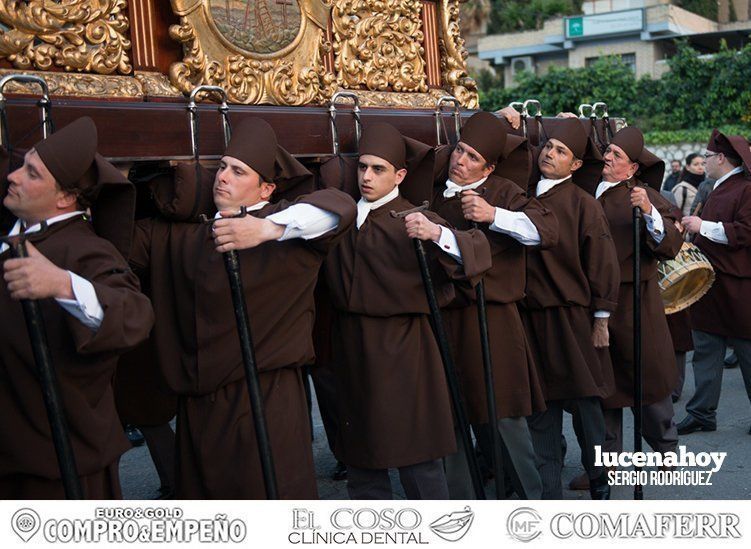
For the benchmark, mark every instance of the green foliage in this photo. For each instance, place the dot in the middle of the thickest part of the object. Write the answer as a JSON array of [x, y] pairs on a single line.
[[698, 92], [513, 16], [487, 80], [693, 136], [705, 8]]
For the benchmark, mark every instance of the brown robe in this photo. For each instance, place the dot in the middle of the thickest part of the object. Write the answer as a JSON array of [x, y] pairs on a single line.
[[679, 325], [566, 284], [724, 310], [200, 357], [85, 362], [518, 390], [658, 360], [141, 394], [394, 407]]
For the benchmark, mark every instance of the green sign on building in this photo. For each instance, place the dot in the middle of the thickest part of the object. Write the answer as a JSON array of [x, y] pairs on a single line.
[[575, 27]]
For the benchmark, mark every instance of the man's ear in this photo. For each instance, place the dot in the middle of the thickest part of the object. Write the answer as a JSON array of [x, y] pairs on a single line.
[[400, 175], [267, 189], [489, 168], [65, 199], [576, 164]]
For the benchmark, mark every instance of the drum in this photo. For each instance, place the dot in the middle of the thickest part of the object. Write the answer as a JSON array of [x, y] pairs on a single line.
[[684, 280]]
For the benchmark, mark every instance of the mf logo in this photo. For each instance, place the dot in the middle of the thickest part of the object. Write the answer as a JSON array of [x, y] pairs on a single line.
[[524, 524]]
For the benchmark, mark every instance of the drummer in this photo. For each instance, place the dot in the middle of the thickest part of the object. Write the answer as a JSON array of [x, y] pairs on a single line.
[[722, 317]]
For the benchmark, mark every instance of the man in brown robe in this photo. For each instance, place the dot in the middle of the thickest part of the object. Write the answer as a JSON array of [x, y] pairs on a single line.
[[466, 190], [91, 305], [394, 403], [572, 289], [631, 178], [282, 246], [722, 317]]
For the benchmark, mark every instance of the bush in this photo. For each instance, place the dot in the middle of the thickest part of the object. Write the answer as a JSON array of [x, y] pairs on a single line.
[[513, 16], [698, 92], [692, 136]]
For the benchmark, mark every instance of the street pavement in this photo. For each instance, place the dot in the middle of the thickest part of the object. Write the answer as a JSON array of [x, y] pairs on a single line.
[[140, 481]]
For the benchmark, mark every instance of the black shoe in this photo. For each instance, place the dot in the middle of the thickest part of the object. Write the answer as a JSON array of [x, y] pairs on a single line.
[[134, 435], [599, 487], [690, 425], [749, 430], [731, 360], [340, 473]]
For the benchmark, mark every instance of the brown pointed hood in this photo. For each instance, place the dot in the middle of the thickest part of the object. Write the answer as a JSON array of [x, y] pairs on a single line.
[[734, 146], [572, 134], [651, 168], [70, 156]]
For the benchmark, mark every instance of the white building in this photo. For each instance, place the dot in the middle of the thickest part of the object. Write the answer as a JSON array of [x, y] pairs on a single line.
[[642, 32]]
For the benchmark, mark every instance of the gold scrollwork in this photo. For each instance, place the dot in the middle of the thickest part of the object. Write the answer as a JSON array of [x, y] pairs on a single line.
[[453, 56], [293, 75], [79, 85], [378, 45], [77, 35], [397, 100], [156, 84]]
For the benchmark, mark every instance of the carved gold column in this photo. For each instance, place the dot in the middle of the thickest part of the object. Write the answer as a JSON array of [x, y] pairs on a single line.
[[454, 55]]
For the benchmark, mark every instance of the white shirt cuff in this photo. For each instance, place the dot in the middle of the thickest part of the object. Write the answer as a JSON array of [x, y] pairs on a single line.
[[602, 314], [304, 221], [517, 225], [85, 307], [714, 231], [655, 225], [447, 242]]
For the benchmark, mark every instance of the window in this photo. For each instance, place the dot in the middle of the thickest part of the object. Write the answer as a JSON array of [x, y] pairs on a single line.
[[628, 58]]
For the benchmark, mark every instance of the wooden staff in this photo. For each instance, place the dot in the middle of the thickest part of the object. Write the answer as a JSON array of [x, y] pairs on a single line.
[[460, 414], [638, 388], [51, 393], [487, 363], [232, 265]]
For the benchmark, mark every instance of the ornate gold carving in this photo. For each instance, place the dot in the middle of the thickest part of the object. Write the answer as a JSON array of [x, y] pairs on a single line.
[[399, 100], [77, 35], [293, 75], [155, 84], [73, 84], [453, 56], [378, 45]]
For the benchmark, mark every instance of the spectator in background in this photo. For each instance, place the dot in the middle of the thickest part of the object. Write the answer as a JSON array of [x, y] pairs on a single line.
[[701, 195], [691, 177], [673, 177]]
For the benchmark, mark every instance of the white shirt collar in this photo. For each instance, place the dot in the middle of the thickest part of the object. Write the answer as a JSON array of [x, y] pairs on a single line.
[[452, 189], [731, 173], [604, 186], [544, 185], [37, 226], [364, 207], [253, 208]]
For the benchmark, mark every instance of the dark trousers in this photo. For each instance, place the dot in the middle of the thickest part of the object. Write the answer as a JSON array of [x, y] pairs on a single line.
[[420, 481], [518, 453], [658, 427], [324, 383], [680, 361], [709, 363], [546, 429]]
